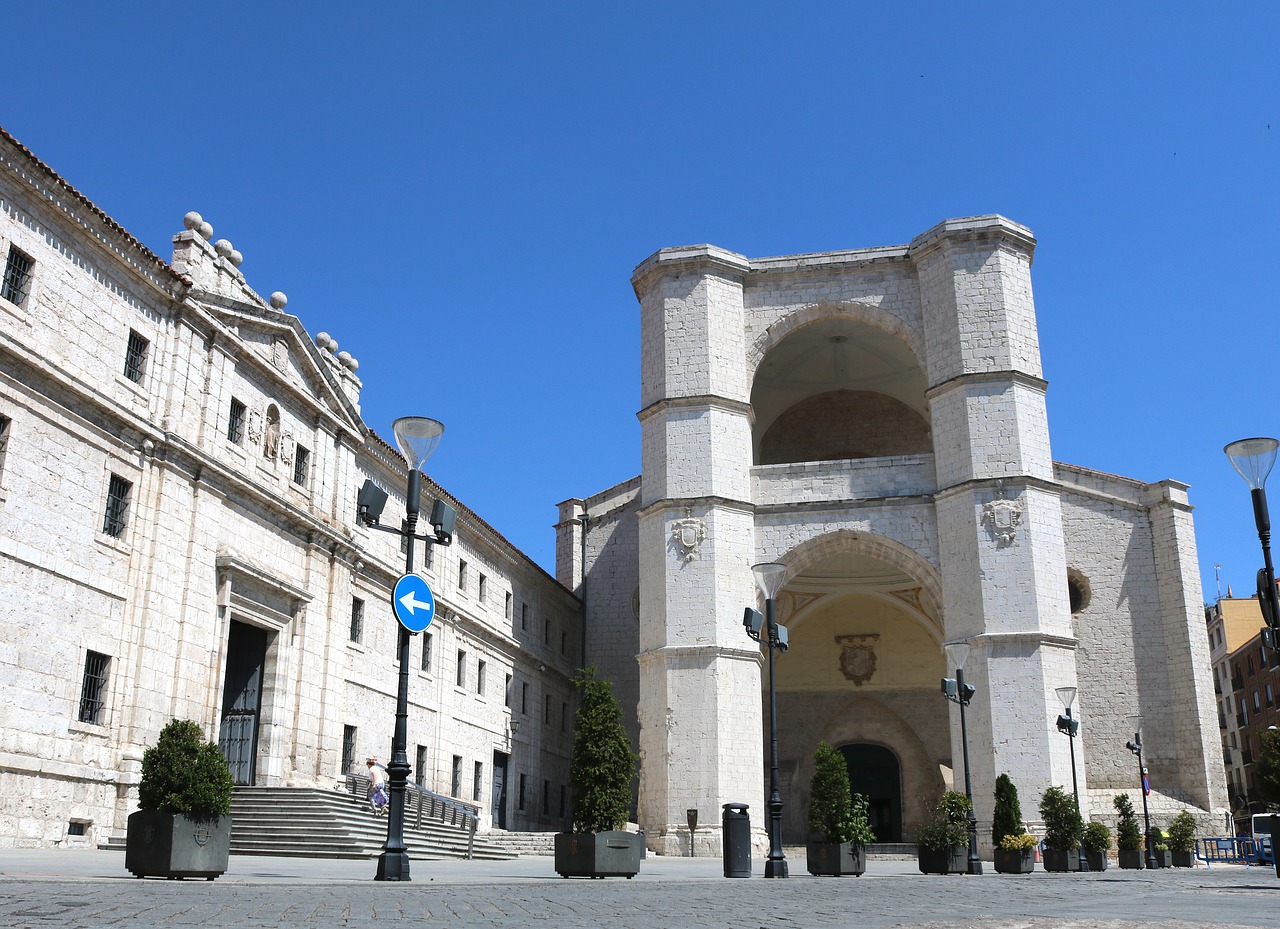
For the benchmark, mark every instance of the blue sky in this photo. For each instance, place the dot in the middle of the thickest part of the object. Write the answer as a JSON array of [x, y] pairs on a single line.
[[458, 194]]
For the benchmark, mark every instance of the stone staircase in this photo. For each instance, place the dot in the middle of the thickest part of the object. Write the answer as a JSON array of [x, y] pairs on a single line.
[[316, 823], [524, 844]]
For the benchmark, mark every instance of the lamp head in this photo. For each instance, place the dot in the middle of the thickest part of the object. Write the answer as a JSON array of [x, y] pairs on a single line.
[[768, 577], [417, 438], [1253, 459], [1067, 695], [957, 652]]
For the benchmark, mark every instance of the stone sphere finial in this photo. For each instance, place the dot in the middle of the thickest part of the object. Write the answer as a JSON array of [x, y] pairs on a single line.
[[345, 359], [324, 341], [206, 231], [352, 365], [223, 248], [279, 301], [235, 257], [192, 220]]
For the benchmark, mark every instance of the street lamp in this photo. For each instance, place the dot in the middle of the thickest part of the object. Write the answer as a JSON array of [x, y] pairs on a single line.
[[417, 437], [1253, 460], [957, 691], [1135, 722], [768, 577], [1069, 727]]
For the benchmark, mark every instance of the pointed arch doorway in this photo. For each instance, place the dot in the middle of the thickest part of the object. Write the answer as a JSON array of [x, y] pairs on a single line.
[[874, 772]]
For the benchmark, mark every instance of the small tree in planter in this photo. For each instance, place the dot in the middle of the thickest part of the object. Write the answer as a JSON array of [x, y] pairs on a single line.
[[942, 842], [1096, 842], [600, 774], [1062, 830], [1014, 849], [1182, 840], [1159, 848], [181, 828], [837, 817], [1128, 835]]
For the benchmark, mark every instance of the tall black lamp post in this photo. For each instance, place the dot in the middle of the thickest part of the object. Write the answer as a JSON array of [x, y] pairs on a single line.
[[417, 437], [957, 691], [767, 631], [1069, 727], [1135, 722]]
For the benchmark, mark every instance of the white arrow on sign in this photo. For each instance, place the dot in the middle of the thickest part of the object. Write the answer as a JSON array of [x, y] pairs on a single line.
[[411, 603]]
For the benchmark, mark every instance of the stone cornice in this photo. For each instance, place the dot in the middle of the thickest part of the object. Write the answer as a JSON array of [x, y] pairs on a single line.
[[698, 652], [1005, 482], [696, 401], [846, 504], [991, 226], [708, 258], [1030, 637], [705, 502], [1020, 378]]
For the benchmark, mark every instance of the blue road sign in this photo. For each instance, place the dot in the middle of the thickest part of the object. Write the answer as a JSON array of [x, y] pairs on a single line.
[[413, 602]]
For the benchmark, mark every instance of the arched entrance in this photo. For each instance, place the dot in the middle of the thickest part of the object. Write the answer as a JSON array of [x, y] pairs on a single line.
[[874, 773]]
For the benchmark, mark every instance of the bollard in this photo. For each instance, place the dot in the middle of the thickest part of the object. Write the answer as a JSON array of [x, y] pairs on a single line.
[[736, 840]]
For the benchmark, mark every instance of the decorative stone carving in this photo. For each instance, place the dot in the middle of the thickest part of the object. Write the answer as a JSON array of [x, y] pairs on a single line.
[[255, 426], [280, 354], [688, 534], [858, 657], [1002, 517], [287, 445]]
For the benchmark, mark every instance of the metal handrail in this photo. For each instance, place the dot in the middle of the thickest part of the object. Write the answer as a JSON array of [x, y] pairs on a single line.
[[422, 803]]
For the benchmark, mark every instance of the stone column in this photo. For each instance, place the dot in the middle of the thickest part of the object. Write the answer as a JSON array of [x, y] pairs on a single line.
[[999, 511], [700, 713]]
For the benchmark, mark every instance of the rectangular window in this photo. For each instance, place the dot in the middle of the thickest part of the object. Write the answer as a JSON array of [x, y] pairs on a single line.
[[480, 677], [564, 715], [429, 556], [562, 800], [564, 643], [546, 798], [506, 692], [481, 584], [520, 794], [475, 781], [546, 710], [1257, 702], [507, 607], [1270, 696], [93, 689], [524, 617], [235, 422], [356, 633], [462, 668], [348, 750], [546, 631], [462, 576], [135, 357], [426, 651], [456, 781], [301, 465], [420, 769], [524, 697], [5, 424], [117, 514], [17, 276]]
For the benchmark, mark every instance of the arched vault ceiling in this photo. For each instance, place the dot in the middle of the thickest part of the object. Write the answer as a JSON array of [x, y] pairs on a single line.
[[835, 354], [848, 572]]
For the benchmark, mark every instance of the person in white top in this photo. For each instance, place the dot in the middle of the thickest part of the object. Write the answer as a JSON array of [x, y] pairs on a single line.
[[377, 787]]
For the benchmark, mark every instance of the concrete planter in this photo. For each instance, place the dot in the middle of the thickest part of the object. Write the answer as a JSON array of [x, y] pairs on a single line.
[[1015, 860], [173, 845], [598, 854], [1097, 860], [1131, 859], [1184, 859], [1164, 859], [953, 860], [835, 858], [1061, 862]]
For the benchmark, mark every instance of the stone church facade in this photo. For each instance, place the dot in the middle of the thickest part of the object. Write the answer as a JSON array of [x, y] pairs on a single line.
[[179, 467], [875, 420]]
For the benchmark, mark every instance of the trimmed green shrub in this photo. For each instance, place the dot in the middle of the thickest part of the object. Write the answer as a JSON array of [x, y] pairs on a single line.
[[948, 826], [1007, 818], [1128, 835], [835, 813], [183, 773], [1062, 824], [1182, 832], [603, 762], [1096, 838]]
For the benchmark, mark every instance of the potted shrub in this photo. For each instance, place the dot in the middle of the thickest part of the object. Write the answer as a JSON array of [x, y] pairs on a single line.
[[1159, 848], [181, 828], [1062, 830], [837, 817], [600, 774], [1014, 849], [942, 843], [1096, 842], [1182, 840], [1128, 835]]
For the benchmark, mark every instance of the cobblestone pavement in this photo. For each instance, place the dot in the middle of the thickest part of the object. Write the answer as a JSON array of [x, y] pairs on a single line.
[[84, 888]]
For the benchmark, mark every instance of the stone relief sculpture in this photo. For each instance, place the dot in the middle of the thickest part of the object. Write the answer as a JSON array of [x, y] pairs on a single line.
[[688, 534], [858, 657], [1001, 517]]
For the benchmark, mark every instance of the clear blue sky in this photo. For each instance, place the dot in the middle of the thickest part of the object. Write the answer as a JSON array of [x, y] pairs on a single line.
[[458, 194]]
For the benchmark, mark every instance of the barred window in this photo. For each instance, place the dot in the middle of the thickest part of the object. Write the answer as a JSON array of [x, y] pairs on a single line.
[[462, 668], [480, 677], [462, 575], [524, 617], [94, 687], [480, 588], [475, 783], [235, 422], [426, 651], [420, 768], [520, 794], [5, 423], [135, 357], [456, 781], [348, 749], [524, 697], [117, 506], [506, 692], [301, 465], [17, 276], [507, 608], [356, 633], [546, 710]]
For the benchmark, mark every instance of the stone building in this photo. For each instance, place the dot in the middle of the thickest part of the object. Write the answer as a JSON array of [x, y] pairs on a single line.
[[875, 420], [179, 466]]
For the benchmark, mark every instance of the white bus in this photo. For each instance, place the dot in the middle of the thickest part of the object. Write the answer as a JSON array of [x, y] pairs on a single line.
[[1260, 831]]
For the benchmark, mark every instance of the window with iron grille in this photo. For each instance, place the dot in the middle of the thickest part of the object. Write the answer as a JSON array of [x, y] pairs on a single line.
[[348, 749], [93, 690], [426, 651], [462, 576], [420, 769], [520, 794], [356, 633], [5, 423], [507, 608], [546, 797], [118, 491], [506, 693], [301, 465], [462, 668], [17, 276], [480, 677], [456, 781], [475, 782], [135, 357], [235, 422]]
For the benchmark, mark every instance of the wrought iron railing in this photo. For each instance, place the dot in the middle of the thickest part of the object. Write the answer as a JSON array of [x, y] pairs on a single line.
[[422, 805]]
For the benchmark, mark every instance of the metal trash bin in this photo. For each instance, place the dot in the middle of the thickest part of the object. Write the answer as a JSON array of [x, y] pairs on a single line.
[[736, 840]]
